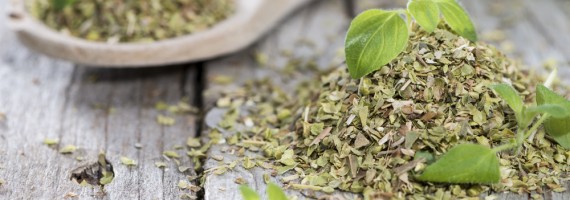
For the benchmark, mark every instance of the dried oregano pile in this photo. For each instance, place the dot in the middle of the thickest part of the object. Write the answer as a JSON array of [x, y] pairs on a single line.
[[375, 134], [130, 20]]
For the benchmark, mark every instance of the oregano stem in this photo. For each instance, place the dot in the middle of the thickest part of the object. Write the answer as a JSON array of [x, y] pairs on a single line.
[[537, 124], [505, 147], [551, 77], [360, 85], [409, 20], [520, 138]]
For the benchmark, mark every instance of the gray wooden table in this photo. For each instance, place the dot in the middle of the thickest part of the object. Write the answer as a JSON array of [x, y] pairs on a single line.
[[113, 110]]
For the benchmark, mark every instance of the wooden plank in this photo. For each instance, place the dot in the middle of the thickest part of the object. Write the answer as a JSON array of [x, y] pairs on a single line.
[[551, 20], [31, 99], [323, 25], [45, 98], [363, 5]]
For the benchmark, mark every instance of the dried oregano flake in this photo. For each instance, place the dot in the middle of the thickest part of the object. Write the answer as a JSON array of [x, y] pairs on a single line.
[[51, 142], [171, 154], [68, 149], [165, 120], [160, 164], [128, 162]]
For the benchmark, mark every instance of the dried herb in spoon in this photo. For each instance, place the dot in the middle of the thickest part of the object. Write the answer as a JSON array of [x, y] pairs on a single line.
[[130, 20]]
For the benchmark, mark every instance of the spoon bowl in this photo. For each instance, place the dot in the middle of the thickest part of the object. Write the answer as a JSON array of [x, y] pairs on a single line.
[[250, 21]]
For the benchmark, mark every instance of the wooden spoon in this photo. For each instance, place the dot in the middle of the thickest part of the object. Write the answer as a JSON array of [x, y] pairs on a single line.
[[252, 19]]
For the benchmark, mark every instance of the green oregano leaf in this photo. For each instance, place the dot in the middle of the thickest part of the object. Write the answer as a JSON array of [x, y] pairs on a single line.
[[60, 4], [511, 96], [557, 128], [465, 163], [274, 192], [107, 177], [374, 38], [247, 193], [426, 13], [553, 110], [457, 18], [545, 96]]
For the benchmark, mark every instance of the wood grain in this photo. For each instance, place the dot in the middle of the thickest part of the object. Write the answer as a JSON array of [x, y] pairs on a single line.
[[46, 98], [43, 98]]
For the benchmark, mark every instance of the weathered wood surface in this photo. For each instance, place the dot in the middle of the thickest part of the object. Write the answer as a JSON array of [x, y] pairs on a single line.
[[46, 98]]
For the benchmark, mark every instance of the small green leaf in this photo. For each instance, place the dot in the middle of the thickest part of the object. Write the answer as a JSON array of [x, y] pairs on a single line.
[[457, 18], [425, 12], [553, 110], [171, 154], [182, 184], [128, 162], [465, 163], [558, 128], [274, 192], [60, 4], [51, 142], [545, 96], [160, 164], [248, 194], [107, 178], [68, 149], [374, 38], [511, 96]]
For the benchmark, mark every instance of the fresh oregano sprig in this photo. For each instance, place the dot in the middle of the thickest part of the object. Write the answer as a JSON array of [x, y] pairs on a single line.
[[375, 37], [557, 127], [473, 163]]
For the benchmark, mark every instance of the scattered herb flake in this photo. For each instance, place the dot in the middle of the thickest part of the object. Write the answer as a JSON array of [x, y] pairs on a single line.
[[128, 162], [160, 164], [51, 142], [183, 169], [68, 149], [165, 120], [171, 154], [70, 195], [193, 142], [182, 184], [240, 180]]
